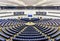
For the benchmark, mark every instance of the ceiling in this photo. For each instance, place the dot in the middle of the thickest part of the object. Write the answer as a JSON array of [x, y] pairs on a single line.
[[29, 2]]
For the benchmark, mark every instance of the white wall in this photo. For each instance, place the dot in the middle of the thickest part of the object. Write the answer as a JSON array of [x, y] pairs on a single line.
[[30, 12]]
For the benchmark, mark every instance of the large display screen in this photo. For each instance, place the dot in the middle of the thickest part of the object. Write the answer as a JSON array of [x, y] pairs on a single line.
[[18, 13], [40, 13], [29, 15]]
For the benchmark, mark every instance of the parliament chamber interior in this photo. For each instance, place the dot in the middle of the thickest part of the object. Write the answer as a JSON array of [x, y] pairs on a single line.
[[29, 20]]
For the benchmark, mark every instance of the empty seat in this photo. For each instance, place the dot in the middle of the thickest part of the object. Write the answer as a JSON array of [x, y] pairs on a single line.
[[4, 35], [53, 32], [39, 39], [29, 37], [2, 39], [13, 30], [49, 31], [57, 39], [56, 34], [29, 34], [7, 33], [10, 31]]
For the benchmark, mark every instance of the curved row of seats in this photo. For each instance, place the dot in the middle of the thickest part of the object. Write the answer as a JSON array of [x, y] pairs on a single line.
[[8, 32], [30, 34], [10, 28], [10, 22], [53, 32], [51, 22]]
